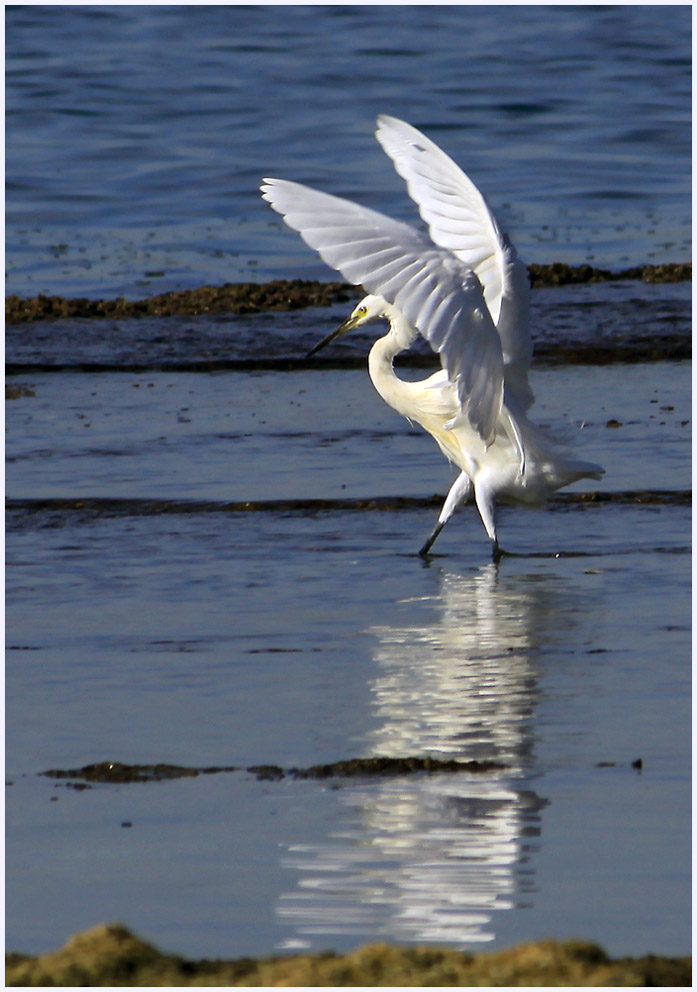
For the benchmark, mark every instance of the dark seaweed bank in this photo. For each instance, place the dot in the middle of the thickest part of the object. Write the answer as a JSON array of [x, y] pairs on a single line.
[[112, 956], [239, 298], [290, 294], [117, 772]]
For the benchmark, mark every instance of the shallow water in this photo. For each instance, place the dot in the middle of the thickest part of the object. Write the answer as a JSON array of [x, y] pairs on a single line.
[[272, 436], [295, 639], [152, 630], [137, 135]]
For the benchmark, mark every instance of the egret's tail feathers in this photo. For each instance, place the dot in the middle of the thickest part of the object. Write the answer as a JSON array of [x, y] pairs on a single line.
[[588, 470], [563, 471], [596, 472], [539, 456]]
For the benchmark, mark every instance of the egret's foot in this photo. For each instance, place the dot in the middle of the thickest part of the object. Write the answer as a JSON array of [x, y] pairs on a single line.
[[497, 553], [434, 534]]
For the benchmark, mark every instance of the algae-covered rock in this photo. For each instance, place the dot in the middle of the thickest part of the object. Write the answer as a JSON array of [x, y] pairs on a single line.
[[112, 956]]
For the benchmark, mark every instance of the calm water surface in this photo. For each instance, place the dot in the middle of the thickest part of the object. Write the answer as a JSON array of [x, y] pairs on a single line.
[[137, 136], [136, 140], [297, 638]]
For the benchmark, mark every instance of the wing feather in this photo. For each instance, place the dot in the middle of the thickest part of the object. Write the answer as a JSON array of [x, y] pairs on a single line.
[[460, 220], [437, 293]]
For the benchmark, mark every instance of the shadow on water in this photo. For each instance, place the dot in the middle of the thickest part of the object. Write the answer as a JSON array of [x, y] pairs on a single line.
[[434, 858]]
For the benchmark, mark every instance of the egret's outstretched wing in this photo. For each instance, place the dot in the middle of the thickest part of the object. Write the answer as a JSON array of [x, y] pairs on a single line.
[[460, 220], [437, 293]]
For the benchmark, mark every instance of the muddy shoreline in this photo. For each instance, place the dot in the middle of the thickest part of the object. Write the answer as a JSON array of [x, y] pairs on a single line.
[[113, 956], [291, 294]]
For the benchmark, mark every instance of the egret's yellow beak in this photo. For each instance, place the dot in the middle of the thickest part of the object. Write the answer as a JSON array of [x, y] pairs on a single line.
[[342, 329]]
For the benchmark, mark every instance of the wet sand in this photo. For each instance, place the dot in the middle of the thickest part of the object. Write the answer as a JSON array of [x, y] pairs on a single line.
[[286, 294], [112, 956]]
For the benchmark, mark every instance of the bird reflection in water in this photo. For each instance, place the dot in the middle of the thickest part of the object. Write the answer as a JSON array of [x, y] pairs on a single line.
[[433, 858]]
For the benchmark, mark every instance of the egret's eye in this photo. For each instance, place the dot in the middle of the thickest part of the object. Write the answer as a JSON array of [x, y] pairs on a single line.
[[361, 311]]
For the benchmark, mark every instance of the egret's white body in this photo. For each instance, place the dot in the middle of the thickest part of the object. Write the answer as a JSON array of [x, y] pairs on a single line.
[[467, 294]]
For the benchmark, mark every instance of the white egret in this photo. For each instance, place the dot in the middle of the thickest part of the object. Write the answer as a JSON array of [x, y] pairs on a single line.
[[466, 292]]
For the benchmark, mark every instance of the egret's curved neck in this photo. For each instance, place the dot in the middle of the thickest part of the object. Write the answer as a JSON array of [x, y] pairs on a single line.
[[388, 384], [399, 337]]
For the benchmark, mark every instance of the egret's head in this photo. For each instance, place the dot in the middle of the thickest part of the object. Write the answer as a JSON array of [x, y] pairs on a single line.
[[370, 308]]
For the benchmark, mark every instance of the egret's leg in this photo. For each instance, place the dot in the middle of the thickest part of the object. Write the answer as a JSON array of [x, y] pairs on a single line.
[[459, 491], [431, 538], [486, 504]]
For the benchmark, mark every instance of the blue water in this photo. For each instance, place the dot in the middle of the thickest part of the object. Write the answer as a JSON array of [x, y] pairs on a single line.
[[137, 135], [296, 638], [136, 139]]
